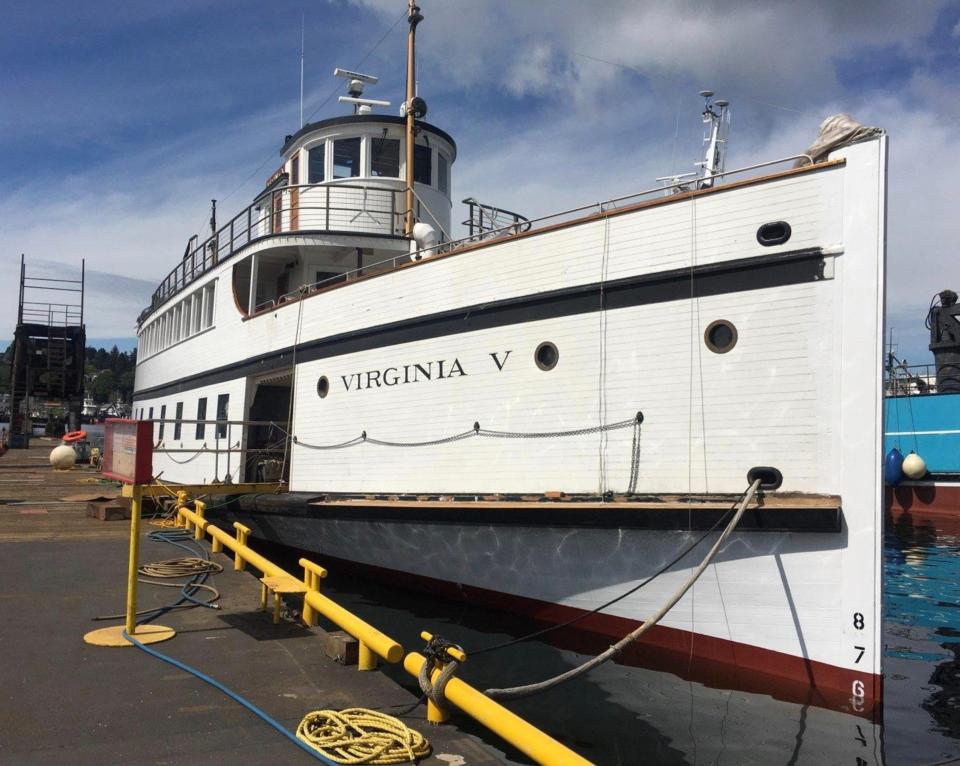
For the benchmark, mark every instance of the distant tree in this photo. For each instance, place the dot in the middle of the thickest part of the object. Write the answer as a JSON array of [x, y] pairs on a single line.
[[101, 388]]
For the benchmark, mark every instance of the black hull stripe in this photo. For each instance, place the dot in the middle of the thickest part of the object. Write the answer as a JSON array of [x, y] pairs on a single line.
[[735, 276]]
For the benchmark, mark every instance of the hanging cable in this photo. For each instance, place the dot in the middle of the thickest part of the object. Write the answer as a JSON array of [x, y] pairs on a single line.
[[643, 583], [524, 691]]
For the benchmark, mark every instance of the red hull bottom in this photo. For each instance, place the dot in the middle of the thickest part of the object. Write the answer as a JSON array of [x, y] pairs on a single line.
[[711, 661], [929, 505]]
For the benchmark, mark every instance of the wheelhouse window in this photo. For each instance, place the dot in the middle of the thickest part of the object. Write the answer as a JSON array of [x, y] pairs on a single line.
[[163, 417], [315, 160], [422, 164], [443, 173], [179, 423], [385, 157], [346, 158]]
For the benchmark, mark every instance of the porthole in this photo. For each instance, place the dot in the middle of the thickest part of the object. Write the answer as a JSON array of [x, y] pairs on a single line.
[[323, 386], [775, 233], [546, 356], [720, 336]]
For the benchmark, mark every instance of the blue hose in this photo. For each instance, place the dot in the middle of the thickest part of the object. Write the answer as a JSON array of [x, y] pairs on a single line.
[[234, 696], [178, 537]]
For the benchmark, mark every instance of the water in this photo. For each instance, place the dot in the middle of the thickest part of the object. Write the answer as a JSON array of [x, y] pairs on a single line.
[[625, 715]]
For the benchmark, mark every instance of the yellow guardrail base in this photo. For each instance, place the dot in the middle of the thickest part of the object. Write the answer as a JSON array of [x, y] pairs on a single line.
[[113, 636]]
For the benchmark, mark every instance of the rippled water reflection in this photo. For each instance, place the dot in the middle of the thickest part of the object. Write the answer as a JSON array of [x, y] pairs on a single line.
[[625, 715], [922, 627]]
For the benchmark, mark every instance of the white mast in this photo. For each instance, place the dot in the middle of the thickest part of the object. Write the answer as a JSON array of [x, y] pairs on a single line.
[[718, 123]]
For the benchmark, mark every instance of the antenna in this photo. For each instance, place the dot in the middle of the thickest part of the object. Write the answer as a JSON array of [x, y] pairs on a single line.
[[302, 18], [716, 116], [355, 87]]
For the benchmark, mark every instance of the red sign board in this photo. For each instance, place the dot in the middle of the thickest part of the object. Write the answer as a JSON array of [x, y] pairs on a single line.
[[128, 450]]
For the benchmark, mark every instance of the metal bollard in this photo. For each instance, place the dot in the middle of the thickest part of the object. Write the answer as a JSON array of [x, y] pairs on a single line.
[[243, 532], [181, 504]]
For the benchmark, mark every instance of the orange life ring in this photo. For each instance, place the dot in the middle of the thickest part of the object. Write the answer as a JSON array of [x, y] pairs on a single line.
[[74, 436]]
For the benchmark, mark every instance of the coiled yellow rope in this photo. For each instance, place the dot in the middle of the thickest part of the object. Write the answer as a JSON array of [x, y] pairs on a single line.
[[358, 735]]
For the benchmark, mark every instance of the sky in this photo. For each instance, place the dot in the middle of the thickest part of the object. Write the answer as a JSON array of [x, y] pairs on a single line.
[[120, 121]]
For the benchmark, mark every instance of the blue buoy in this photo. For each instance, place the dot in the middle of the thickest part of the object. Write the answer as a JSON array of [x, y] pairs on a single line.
[[893, 467]]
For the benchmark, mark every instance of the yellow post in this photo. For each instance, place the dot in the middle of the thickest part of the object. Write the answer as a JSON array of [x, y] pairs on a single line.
[[134, 560], [200, 508], [215, 545], [366, 659], [435, 713], [311, 578], [243, 532]]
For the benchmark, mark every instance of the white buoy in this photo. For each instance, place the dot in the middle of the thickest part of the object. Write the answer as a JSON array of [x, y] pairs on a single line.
[[63, 458], [913, 466]]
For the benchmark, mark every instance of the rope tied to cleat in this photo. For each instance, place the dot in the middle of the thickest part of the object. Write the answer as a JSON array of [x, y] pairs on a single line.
[[362, 736], [438, 654]]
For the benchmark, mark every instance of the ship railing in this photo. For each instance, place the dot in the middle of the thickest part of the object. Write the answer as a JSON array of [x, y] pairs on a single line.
[[520, 224], [486, 221], [902, 379], [513, 227], [271, 214], [341, 207], [224, 444]]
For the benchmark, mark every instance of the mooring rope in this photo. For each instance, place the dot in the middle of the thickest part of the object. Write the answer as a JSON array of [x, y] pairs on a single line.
[[362, 736], [516, 692]]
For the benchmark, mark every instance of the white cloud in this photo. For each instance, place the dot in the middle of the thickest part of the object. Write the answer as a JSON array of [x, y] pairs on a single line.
[[544, 123]]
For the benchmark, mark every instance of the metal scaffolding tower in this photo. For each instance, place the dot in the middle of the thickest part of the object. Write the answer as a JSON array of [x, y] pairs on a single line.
[[49, 346]]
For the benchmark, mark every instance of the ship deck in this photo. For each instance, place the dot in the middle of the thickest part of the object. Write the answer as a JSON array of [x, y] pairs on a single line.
[[68, 702]]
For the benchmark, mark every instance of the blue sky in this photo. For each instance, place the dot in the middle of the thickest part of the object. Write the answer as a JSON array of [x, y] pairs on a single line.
[[122, 120]]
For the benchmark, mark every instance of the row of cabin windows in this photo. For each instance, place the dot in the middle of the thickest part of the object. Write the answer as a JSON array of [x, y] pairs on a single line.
[[187, 317], [384, 161], [223, 404]]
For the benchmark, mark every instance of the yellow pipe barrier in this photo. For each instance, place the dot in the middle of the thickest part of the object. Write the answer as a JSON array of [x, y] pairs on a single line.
[[372, 641], [524, 736]]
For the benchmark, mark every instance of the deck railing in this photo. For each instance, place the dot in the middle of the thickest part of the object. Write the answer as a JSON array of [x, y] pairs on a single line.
[[910, 380], [335, 207], [378, 209]]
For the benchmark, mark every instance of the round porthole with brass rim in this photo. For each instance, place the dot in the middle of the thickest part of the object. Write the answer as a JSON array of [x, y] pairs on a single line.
[[546, 356], [323, 386], [720, 336]]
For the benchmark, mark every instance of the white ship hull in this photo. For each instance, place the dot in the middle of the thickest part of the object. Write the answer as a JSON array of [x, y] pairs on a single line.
[[445, 348]]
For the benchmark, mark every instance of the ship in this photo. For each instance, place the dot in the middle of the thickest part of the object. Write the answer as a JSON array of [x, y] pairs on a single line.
[[555, 416], [922, 426]]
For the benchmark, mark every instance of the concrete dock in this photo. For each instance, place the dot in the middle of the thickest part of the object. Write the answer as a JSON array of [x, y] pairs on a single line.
[[64, 701]]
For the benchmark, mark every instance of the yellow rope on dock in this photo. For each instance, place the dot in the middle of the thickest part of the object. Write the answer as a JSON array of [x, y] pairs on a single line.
[[358, 735]]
